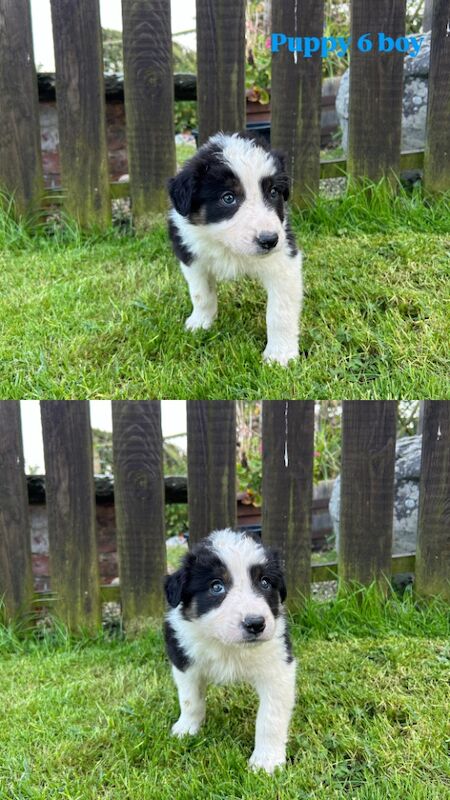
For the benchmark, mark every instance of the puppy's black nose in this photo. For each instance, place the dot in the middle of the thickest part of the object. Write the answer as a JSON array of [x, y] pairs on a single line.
[[254, 624], [267, 240]]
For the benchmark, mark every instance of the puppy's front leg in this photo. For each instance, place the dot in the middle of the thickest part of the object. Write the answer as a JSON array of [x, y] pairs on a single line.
[[202, 289], [283, 283], [276, 701], [192, 697]]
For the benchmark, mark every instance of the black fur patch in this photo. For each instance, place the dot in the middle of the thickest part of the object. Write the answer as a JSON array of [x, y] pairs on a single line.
[[201, 184], [273, 572], [193, 580], [290, 239], [288, 645], [181, 251], [280, 183], [174, 651]]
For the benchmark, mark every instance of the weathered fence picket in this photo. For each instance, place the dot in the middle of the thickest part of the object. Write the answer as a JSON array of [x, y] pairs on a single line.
[[437, 145], [20, 139], [296, 96], [221, 66], [376, 91], [367, 490], [433, 536], [288, 446], [80, 97], [149, 97], [71, 511], [139, 506], [16, 582], [211, 429]]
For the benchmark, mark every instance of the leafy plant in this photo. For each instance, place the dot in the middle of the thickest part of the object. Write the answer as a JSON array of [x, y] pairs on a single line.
[[185, 115], [177, 519], [258, 54]]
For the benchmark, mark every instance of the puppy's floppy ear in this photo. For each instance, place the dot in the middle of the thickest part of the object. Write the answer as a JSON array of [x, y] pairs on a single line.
[[282, 588], [282, 178], [181, 189], [173, 586], [277, 574], [280, 159]]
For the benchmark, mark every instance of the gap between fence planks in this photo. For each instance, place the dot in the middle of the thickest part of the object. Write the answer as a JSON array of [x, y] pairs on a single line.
[[139, 507], [20, 137], [211, 430], [69, 485], [80, 95]]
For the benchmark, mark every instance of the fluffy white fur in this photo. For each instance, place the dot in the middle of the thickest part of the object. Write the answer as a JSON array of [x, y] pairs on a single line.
[[215, 646], [227, 250]]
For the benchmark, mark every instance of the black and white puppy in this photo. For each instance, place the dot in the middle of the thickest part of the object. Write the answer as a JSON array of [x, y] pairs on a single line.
[[226, 624], [229, 219]]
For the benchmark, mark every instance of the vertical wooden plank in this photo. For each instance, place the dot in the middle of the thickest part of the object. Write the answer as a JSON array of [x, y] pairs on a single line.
[[139, 505], [296, 96], [220, 66], [20, 138], [70, 497], [211, 429], [80, 98], [16, 583], [367, 490], [149, 98], [437, 145], [376, 91], [288, 450], [433, 537]]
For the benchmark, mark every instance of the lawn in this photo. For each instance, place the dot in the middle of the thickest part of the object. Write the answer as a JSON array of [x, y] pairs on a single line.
[[101, 316], [89, 720]]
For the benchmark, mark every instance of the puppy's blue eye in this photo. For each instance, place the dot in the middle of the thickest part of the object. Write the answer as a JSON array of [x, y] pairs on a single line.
[[274, 192], [217, 587], [228, 198], [264, 582]]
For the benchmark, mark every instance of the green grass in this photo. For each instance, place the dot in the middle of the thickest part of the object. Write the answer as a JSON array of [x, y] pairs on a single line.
[[102, 315], [89, 720]]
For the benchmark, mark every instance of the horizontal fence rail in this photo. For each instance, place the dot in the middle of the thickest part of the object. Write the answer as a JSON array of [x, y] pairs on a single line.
[[375, 100], [368, 448]]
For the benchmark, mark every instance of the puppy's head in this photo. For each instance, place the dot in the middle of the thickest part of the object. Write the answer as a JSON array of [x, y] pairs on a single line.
[[231, 587], [234, 189]]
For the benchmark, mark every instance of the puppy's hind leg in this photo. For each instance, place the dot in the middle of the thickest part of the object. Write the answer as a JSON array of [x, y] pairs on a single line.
[[192, 697], [202, 289]]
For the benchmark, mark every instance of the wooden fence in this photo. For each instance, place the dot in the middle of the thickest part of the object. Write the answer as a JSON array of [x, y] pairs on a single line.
[[368, 454], [375, 99]]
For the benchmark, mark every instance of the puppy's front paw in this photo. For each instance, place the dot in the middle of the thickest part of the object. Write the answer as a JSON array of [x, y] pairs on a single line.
[[268, 760], [186, 727], [199, 320], [280, 355]]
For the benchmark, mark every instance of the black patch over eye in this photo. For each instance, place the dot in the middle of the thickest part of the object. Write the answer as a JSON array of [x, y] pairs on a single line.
[[229, 198]]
